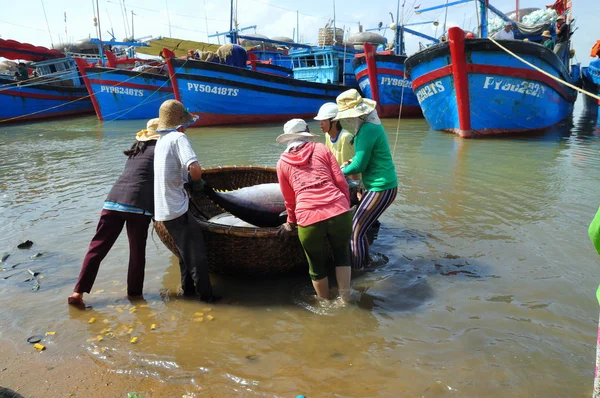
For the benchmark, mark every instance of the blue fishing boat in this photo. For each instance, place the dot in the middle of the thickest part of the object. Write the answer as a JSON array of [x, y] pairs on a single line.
[[126, 94], [591, 82], [474, 88], [224, 94], [382, 77], [55, 89]]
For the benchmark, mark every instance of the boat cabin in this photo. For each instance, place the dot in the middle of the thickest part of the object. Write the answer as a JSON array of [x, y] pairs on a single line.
[[330, 64], [62, 69]]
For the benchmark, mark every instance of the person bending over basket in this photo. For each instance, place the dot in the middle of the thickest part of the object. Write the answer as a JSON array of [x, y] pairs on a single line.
[[373, 160], [317, 200], [173, 160], [130, 202]]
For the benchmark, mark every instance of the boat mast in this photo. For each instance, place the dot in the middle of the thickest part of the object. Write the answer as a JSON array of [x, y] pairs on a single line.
[[483, 31], [398, 50]]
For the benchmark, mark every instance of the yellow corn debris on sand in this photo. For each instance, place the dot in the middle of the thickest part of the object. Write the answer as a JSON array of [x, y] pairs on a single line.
[[133, 340], [198, 314], [198, 319], [119, 310], [92, 320], [39, 347], [210, 317], [153, 326], [50, 333]]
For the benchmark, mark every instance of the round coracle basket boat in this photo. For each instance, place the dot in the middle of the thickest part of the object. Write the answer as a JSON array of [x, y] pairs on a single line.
[[240, 251]]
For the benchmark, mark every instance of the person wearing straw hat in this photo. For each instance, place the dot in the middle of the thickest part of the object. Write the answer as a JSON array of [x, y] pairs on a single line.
[[317, 200], [548, 42], [174, 160], [129, 203], [373, 160]]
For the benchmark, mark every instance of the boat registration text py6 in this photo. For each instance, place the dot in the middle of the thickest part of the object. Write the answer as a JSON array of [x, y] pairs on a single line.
[[207, 88], [134, 92]]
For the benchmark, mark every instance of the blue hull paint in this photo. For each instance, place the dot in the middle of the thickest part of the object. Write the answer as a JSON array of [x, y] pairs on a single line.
[[504, 95], [591, 82], [123, 94], [227, 95], [393, 88], [31, 102]]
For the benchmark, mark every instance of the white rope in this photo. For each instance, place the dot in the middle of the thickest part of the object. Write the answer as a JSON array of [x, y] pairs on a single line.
[[544, 72]]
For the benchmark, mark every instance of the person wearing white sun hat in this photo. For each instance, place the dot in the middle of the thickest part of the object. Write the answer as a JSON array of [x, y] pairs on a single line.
[[373, 160], [317, 200]]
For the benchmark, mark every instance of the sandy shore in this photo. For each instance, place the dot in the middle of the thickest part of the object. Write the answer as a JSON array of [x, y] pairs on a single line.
[[45, 374]]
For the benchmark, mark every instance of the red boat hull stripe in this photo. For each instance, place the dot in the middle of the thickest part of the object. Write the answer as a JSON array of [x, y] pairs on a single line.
[[528, 74]]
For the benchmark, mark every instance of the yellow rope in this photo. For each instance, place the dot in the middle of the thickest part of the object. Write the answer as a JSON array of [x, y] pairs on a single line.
[[544, 72]]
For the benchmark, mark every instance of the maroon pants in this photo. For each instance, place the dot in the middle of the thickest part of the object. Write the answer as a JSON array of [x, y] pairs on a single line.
[[108, 230]]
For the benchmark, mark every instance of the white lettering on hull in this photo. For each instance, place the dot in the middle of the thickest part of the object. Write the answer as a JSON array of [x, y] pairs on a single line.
[[207, 88], [429, 90], [122, 90], [392, 81], [515, 85]]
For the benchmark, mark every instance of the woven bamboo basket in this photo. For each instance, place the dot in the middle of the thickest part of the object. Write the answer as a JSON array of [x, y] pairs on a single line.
[[326, 38], [238, 250]]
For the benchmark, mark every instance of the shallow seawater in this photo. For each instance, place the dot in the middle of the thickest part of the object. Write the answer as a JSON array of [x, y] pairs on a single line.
[[486, 284]]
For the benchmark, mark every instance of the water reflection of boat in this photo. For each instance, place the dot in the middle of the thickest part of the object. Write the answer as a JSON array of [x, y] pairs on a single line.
[[53, 90]]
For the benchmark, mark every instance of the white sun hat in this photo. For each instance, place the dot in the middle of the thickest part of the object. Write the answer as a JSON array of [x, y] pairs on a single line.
[[293, 130], [327, 111]]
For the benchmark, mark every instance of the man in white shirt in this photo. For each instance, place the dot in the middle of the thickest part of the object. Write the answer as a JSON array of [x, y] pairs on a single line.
[[174, 158], [506, 33]]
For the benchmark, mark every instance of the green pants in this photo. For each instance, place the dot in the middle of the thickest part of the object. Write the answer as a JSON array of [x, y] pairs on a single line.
[[337, 230]]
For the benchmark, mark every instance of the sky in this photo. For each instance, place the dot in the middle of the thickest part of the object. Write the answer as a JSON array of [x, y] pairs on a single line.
[[186, 19]]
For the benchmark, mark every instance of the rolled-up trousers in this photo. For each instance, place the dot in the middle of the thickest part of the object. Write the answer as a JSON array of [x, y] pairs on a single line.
[[185, 231], [108, 230]]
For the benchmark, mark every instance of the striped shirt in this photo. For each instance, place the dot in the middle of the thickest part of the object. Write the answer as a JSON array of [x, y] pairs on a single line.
[[172, 157]]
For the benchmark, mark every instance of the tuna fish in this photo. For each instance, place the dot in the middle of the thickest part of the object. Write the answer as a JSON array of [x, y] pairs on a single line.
[[260, 205]]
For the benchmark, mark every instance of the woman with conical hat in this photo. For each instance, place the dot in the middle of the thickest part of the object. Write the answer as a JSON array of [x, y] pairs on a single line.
[[174, 160], [129, 203], [317, 200], [373, 160]]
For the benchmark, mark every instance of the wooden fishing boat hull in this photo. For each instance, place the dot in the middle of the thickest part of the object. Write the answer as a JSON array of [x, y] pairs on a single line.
[[28, 101], [125, 94], [226, 95], [473, 88], [385, 73]]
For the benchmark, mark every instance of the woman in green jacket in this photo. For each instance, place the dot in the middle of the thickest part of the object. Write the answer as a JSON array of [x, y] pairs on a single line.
[[373, 160]]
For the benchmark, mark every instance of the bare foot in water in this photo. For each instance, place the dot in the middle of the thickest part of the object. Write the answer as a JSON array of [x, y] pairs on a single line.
[[75, 299]]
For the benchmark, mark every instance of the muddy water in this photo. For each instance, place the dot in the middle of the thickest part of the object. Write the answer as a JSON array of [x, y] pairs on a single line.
[[488, 290]]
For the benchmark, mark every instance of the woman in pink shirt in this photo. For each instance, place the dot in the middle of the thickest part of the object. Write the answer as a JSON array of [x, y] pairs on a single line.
[[318, 202]]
